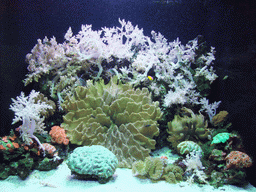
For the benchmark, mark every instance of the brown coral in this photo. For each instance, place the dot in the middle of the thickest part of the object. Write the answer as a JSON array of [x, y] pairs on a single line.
[[238, 159], [219, 118]]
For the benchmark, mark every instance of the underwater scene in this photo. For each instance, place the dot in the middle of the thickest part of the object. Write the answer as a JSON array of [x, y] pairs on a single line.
[[127, 95]]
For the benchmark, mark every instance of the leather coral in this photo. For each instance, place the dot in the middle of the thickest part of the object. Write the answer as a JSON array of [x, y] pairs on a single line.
[[117, 116]]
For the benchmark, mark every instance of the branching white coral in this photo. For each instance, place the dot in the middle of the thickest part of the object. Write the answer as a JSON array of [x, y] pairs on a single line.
[[210, 109], [183, 93], [28, 111], [195, 166], [172, 62]]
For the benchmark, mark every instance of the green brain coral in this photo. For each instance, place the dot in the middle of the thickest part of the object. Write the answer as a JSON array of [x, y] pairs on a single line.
[[186, 147], [117, 116]]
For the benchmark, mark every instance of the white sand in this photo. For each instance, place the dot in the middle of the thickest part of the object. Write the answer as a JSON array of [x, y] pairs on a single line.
[[61, 180]]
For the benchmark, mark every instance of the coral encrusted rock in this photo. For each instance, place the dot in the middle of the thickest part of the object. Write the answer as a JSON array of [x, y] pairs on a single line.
[[115, 115]]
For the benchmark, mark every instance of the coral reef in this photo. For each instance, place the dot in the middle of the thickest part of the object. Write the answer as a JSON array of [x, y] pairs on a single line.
[[92, 162], [17, 158], [106, 82], [115, 116]]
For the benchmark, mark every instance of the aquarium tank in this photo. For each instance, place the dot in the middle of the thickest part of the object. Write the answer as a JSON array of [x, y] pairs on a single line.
[[127, 95]]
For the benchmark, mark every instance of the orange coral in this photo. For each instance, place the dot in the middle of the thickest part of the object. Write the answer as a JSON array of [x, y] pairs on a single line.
[[16, 145], [26, 147], [238, 159], [2, 147], [13, 138], [58, 135], [49, 148], [8, 145]]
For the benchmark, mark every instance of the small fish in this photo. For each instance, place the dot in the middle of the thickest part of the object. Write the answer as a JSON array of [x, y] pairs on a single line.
[[224, 78], [147, 125], [163, 157], [150, 78]]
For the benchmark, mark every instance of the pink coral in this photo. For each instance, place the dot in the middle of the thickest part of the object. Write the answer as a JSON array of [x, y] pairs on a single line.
[[238, 159]]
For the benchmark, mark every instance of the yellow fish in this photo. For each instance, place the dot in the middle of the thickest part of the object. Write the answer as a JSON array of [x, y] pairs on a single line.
[[150, 78]]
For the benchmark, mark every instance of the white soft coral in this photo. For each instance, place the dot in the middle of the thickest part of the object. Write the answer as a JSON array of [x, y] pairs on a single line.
[[28, 111], [195, 166]]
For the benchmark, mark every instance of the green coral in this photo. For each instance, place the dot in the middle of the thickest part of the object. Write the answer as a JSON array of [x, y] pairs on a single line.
[[157, 169], [173, 173], [220, 138], [114, 115], [186, 147], [188, 127], [150, 168]]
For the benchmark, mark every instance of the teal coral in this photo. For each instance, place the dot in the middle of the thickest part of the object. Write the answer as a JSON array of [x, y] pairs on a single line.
[[117, 116], [93, 162]]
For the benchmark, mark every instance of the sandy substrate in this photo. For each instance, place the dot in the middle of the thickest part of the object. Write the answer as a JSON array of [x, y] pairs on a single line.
[[61, 180]]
